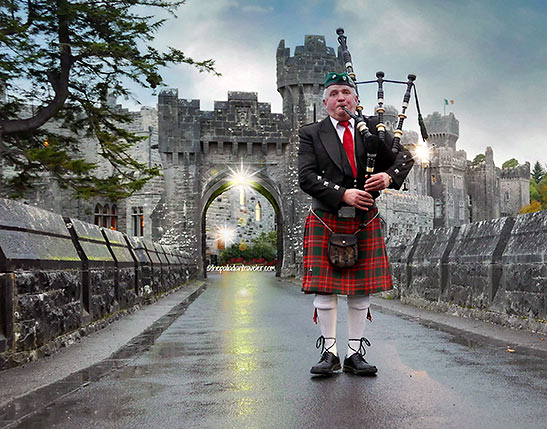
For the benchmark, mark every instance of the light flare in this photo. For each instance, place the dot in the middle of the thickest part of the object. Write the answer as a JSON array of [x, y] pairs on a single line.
[[226, 234], [242, 177], [421, 152]]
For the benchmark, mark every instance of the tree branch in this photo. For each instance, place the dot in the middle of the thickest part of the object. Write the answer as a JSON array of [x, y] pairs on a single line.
[[23, 28], [59, 82]]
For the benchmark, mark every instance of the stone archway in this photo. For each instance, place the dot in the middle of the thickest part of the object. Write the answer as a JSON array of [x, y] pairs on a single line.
[[261, 183]]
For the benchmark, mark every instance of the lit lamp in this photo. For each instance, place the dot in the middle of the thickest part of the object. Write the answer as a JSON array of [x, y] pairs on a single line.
[[225, 235]]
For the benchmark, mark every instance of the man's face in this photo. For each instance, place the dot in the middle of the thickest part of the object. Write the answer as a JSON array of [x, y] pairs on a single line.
[[339, 96]]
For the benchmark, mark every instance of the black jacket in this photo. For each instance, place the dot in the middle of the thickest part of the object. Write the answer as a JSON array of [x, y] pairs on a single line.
[[324, 171]]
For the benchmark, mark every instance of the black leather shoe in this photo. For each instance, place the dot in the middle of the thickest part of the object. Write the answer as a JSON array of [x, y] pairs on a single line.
[[357, 364], [327, 364]]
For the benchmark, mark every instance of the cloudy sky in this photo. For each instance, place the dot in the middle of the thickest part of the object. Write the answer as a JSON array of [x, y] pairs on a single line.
[[490, 57]]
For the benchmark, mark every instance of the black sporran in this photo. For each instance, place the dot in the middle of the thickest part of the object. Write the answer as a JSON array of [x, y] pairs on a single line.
[[343, 250]]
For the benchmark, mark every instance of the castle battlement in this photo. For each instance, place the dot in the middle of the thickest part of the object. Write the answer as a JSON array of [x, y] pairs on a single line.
[[443, 130], [518, 172], [308, 64]]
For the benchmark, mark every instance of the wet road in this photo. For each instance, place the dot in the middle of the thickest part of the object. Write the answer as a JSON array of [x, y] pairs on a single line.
[[239, 357]]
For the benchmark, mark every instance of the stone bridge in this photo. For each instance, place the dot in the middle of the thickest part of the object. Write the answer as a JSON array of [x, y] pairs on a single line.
[[61, 278]]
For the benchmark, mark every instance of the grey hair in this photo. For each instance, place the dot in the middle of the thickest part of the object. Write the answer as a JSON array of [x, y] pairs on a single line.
[[325, 91]]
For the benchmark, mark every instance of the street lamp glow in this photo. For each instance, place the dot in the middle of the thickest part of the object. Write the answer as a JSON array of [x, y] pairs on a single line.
[[226, 234]]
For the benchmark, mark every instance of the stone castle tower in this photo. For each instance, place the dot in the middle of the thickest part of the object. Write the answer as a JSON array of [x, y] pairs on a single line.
[[446, 174], [514, 189], [300, 78]]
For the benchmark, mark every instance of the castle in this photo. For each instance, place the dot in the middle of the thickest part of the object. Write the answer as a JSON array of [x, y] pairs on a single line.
[[199, 150]]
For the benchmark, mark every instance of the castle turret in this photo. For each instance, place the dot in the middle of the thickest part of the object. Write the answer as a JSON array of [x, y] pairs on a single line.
[[447, 171], [443, 130], [514, 189], [300, 78], [483, 186]]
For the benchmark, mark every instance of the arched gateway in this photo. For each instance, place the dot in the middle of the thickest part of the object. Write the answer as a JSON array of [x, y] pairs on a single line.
[[201, 149]]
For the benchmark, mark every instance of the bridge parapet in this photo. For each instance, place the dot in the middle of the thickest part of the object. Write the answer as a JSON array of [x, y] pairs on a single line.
[[63, 278], [495, 270]]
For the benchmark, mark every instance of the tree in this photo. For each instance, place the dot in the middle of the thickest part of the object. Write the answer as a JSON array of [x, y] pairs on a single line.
[[534, 192], [510, 163], [534, 206], [479, 159], [64, 58], [538, 172], [538, 195]]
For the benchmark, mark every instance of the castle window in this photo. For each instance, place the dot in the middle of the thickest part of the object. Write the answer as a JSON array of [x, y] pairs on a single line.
[[114, 217], [461, 210], [438, 209], [258, 212], [106, 217], [98, 214], [137, 221], [506, 196], [433, 178]]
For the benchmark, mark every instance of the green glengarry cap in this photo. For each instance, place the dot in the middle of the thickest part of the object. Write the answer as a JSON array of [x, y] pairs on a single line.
[[334, 78]]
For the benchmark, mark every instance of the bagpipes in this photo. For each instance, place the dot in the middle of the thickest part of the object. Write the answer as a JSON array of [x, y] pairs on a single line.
[[359, 118]]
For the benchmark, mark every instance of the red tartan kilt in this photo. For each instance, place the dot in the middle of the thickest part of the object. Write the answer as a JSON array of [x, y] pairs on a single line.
[[372, 272]]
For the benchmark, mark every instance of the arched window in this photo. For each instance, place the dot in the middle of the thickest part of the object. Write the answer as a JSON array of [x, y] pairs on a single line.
[[258, 212], [114, 217], [98, 214], [137, 221], [106, 216]]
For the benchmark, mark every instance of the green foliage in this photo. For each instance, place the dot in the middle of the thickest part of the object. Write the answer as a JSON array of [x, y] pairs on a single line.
[[231, 252], [534, 191], [263, 246], [534, 206], [479, 159], [538, 196], [538, 173], [63, 58], [510, 163]]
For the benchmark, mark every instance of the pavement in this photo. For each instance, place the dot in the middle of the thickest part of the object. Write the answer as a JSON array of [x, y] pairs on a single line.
[[239, 356], [31, 387]]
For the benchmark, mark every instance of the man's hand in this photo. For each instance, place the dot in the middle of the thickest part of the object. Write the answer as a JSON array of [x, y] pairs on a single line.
[[377, 182], [357, 198]]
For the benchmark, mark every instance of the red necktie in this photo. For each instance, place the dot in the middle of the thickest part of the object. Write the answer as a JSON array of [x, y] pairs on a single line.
[[348, 145]]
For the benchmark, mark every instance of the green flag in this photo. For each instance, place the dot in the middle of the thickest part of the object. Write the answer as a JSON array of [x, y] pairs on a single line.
[[446, 102]]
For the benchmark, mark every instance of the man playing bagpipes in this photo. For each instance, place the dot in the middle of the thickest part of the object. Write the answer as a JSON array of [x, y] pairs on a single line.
[[343, 169]]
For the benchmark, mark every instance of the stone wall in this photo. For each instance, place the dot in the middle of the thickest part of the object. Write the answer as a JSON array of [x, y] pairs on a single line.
[[496, 268], [60, 277]]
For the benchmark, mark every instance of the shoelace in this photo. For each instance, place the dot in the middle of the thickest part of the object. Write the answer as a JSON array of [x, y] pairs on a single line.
[[361, 350], [320, 343]]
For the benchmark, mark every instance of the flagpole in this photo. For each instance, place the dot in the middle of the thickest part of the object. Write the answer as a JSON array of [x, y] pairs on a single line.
[[444, 107]]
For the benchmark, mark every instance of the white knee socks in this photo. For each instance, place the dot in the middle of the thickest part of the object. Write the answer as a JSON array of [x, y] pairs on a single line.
[[326, 313], [357, 315]]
